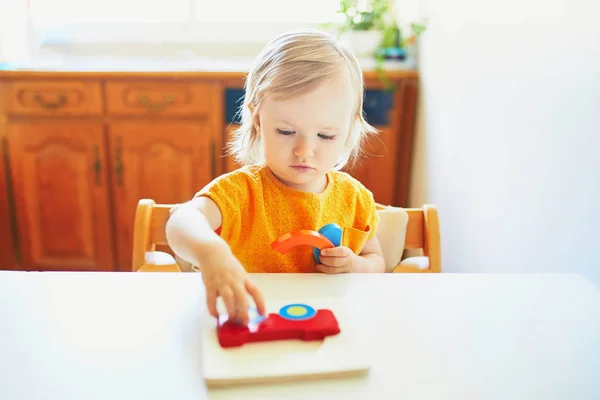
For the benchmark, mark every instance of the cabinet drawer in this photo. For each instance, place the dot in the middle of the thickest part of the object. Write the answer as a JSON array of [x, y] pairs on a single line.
[[159, 98], [53, 98]]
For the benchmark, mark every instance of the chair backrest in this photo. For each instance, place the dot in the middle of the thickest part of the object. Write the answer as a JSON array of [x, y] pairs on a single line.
[[422, 231], [149, 229]]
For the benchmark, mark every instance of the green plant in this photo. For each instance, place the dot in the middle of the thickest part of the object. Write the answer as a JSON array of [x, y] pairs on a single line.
[[364, 15], [368, 15], [417, 28]]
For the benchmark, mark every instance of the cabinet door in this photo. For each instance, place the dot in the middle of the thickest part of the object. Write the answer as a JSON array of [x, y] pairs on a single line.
[[166, 161], [7, 245], [59, 174], [376, 167]]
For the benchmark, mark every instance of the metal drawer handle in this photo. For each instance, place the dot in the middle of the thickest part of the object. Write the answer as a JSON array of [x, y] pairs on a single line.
[[119, 166], [149, 105], [61, 100], [97, 165]]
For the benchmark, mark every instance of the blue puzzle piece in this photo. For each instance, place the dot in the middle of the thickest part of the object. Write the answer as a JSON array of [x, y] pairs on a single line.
[[333, 232], [254, 317]]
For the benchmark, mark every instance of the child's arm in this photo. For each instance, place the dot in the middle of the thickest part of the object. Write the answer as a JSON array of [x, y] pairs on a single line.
[[370, 258], [191, 234], [191, 230], [341, 259]]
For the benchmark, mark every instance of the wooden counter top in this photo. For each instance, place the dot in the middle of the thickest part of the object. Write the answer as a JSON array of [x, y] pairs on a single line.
[[233, 68]]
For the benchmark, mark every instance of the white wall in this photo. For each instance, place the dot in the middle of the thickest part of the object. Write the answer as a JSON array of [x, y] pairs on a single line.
[[509, 134]]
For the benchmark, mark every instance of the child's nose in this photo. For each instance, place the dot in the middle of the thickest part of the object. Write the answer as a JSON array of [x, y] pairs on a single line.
[[304, 148]]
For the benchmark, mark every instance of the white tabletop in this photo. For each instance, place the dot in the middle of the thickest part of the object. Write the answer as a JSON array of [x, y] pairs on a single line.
[[437, 336]]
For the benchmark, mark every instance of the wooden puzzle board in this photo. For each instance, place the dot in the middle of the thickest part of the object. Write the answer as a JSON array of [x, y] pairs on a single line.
[[343, 354]]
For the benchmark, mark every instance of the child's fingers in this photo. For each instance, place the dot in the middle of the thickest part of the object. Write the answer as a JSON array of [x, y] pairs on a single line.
[[229, 299], [340, 251], [333, 261], [257, 296], [241, 305], [329, 269], [211, 303]]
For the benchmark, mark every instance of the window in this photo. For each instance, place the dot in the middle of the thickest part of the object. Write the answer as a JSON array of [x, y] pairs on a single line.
[[56, 13], [120, 23], [267, 11]]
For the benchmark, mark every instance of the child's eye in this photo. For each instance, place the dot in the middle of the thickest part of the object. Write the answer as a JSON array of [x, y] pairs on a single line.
[[326, 137], [287, 133]]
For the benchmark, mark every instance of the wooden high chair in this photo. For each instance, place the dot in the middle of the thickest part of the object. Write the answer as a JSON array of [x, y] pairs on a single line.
[[148, 232], [422, 233]]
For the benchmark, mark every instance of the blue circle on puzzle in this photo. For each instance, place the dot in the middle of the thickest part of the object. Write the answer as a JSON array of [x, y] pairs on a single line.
[[297, 312], [254, 317]]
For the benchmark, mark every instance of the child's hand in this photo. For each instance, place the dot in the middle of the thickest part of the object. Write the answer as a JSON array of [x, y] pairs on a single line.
[[225, 276], [336, 260]]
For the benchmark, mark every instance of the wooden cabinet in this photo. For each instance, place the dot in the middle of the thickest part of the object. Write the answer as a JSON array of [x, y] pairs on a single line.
[[158, 97], [165, 161], [49, 97], [385, 165], [80, 149], [61, 191], [8, 246], [376, 166]]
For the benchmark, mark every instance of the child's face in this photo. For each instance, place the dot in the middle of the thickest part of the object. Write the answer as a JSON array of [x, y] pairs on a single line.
[[304, 137]]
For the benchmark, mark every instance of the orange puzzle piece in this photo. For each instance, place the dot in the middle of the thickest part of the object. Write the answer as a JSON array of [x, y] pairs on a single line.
[[299, 238]]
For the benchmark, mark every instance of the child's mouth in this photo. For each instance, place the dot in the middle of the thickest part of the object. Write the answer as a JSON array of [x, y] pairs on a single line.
[[302, 168]]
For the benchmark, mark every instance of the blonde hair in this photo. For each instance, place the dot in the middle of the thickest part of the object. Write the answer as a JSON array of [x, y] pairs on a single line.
[[292, 64]]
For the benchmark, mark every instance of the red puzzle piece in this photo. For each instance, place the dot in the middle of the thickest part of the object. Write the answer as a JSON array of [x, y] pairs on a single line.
[[301, 237], [276, 327]]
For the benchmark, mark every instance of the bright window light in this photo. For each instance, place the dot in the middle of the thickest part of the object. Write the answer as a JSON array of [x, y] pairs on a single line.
[[52, 13], [267, 11]]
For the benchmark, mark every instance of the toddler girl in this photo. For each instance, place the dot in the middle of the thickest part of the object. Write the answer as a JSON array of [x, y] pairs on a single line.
[[301, 123]]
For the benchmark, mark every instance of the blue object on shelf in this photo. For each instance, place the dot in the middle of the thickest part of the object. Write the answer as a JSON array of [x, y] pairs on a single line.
[[376, 106], [234, 98], [392, 53]]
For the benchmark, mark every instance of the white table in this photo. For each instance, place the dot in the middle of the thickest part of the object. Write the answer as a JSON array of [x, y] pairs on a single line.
[[137, 336]]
